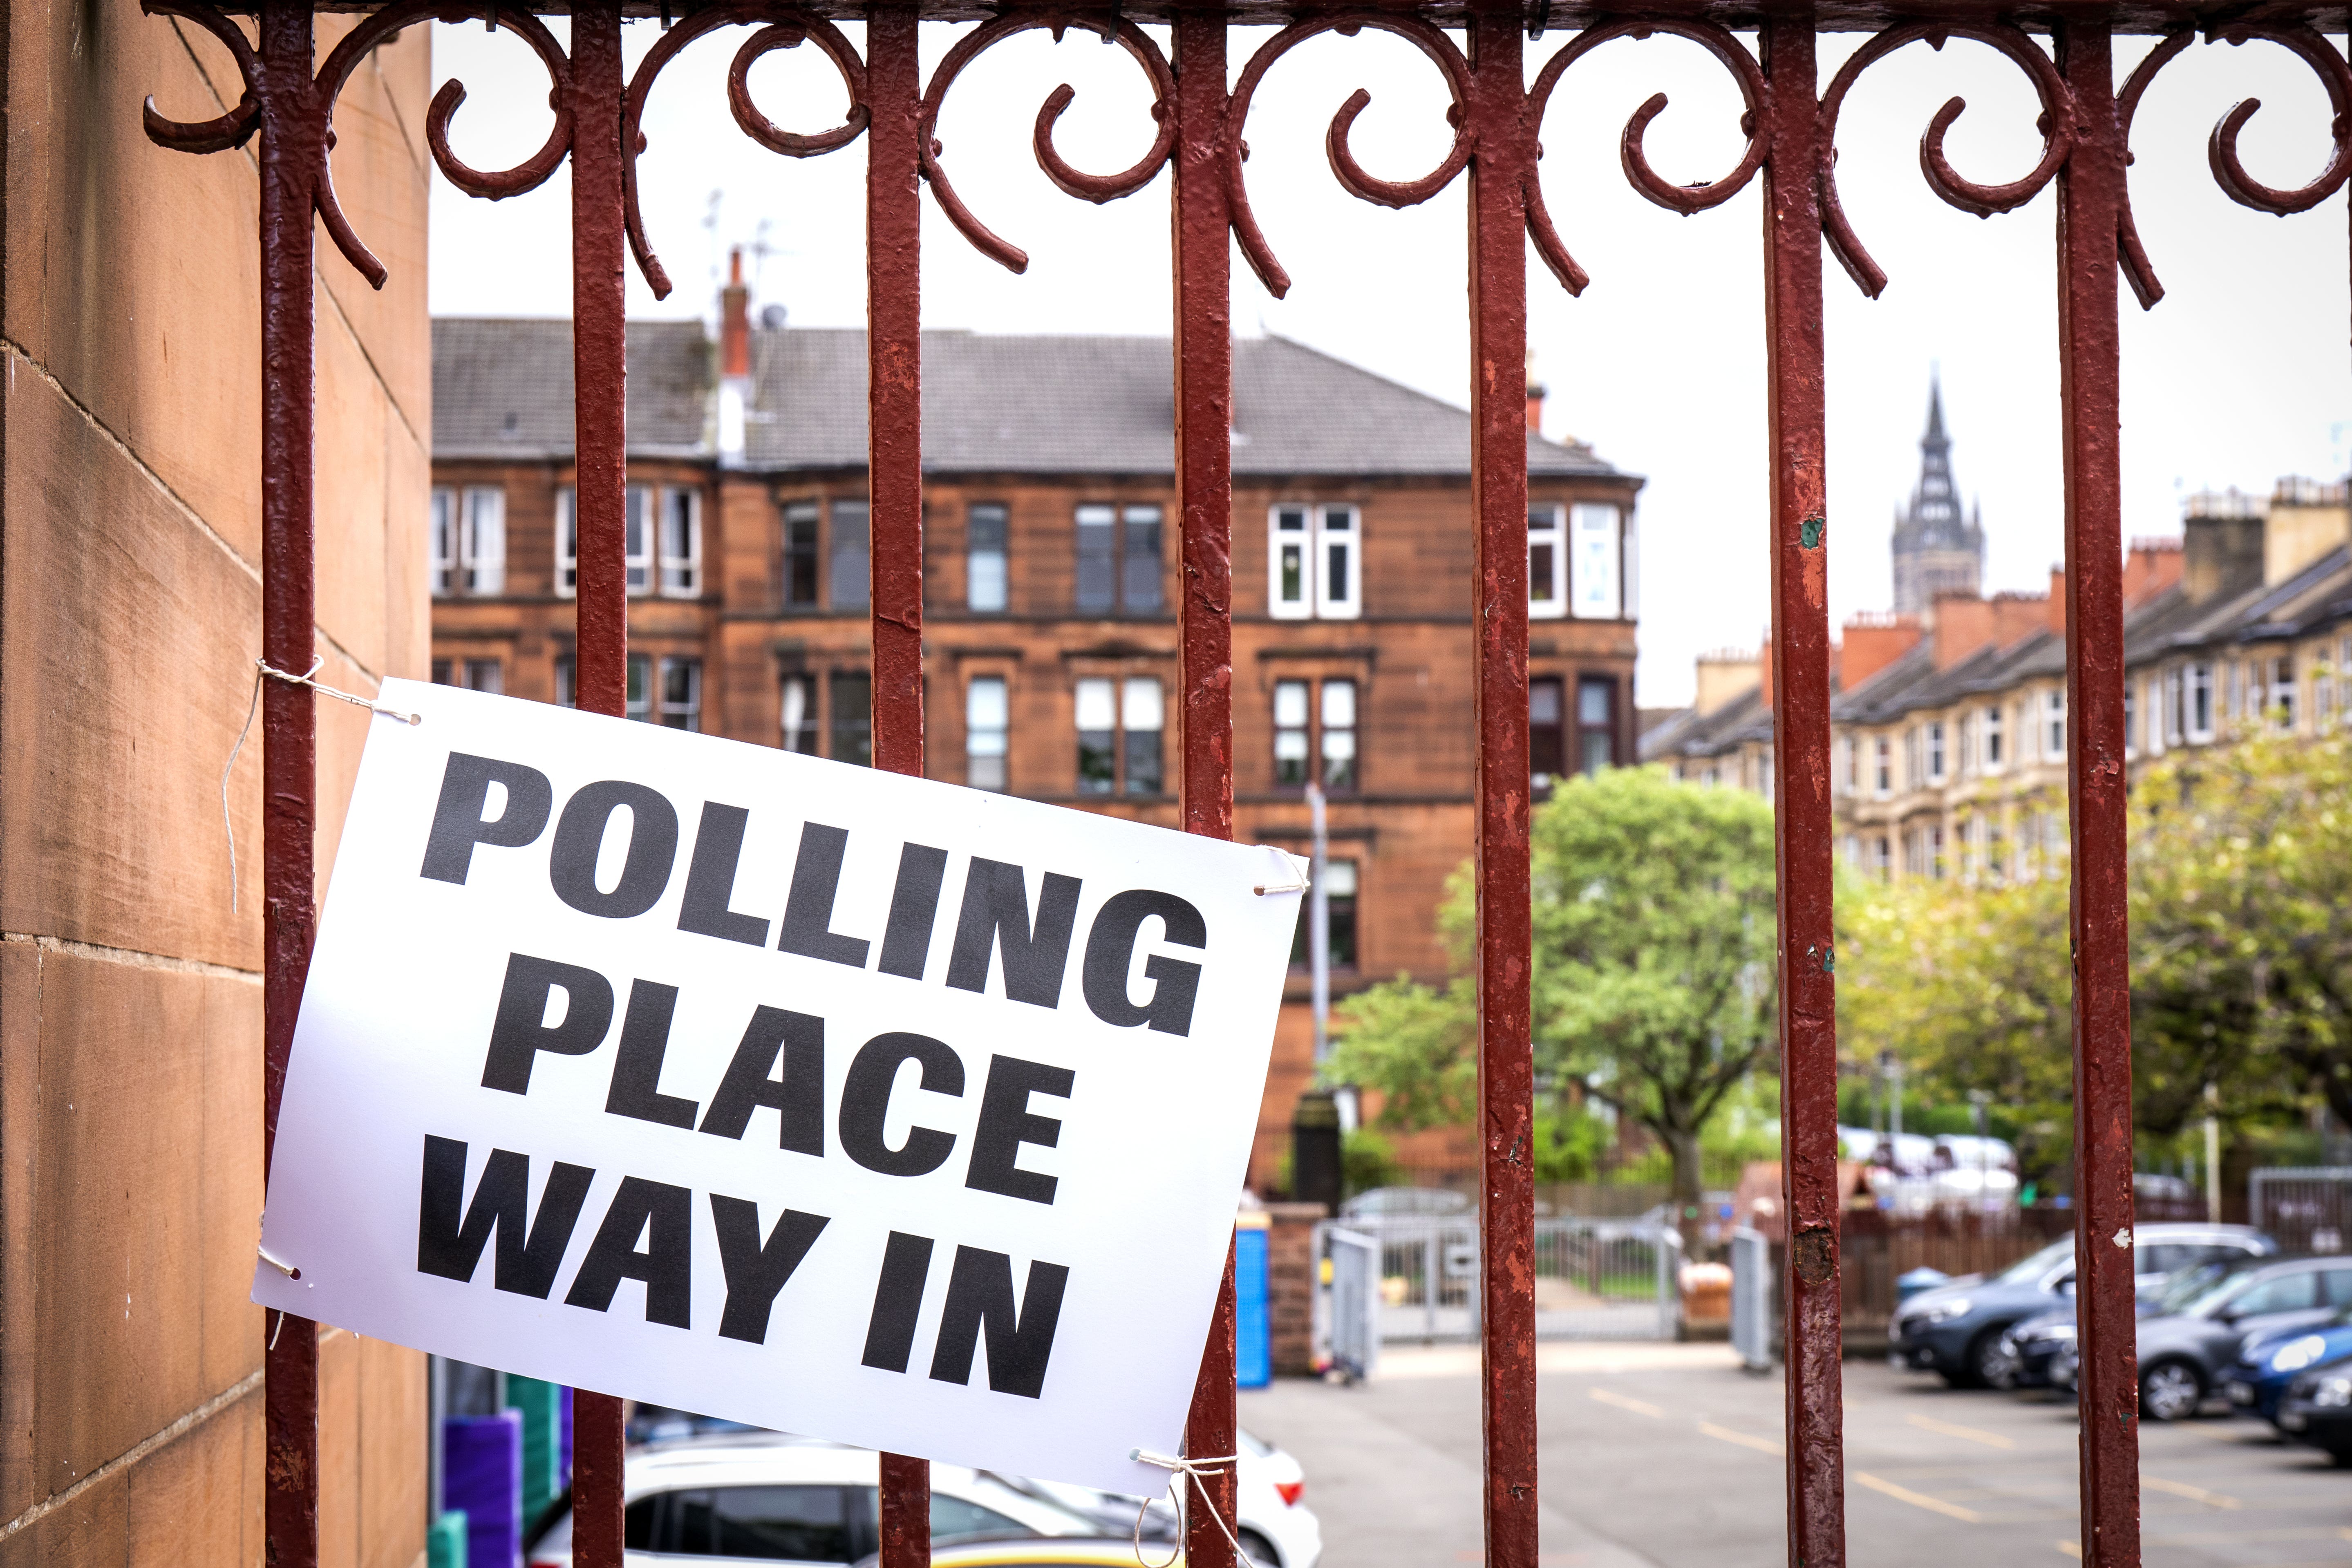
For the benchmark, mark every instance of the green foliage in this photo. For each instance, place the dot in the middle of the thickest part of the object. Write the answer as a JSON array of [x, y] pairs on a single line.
[[1653, 981], [2240, 909], [1366, 1162]]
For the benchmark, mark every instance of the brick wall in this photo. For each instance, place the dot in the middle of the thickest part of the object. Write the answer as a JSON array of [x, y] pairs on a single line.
[[1290, 1283], [130, 618]]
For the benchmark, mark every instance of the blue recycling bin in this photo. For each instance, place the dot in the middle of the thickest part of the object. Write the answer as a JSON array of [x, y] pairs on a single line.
[[1252, 1309], [482, 1476]]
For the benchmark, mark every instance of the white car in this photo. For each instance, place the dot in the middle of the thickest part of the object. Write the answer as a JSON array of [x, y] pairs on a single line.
[[1275, 1527], [763, 1496]]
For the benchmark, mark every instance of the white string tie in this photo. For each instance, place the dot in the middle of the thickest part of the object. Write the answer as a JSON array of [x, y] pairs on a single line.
[[1198, 1471], [1297, 883], [263, 667], [278, 1263]]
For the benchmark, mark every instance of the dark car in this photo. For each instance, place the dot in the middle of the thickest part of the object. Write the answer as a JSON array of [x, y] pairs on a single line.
[[2317, 1410], [2183, 1354], [2041, 1349], [1957, 1329], [2269, 1363]]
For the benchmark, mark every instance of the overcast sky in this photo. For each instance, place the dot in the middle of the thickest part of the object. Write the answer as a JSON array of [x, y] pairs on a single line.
[[2239, 376]]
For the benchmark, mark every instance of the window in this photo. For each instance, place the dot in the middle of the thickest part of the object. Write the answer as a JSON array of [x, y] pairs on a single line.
[[1882, 773], [1547, 563], [1118, 559], [1765, 783], [2234, 704], [1339, 736], [1845, 765], [2053, 720], [467, 542], [800, 556], [1882, 858], [1936, 753], [639, 702], [567, 681], [441, 542], [1996, 846], [800, 1524], [1290, 739], [2283, 691], [1340, 915], [681, 542], [1109, 710], [567, 542], [2131, 732], [1595, 586], [681, 693], [2200, 702], [2295, 1293], [1596, 723], [984, 563], [1313, 563], [850, 694], [485, 675], [640, 543], [799, 713], [1994, 758], [853, 560], [1936, 850], [986, 719], [1546, 738]]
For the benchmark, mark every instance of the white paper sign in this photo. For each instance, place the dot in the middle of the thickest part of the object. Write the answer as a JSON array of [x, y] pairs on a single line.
[[799, 1093]]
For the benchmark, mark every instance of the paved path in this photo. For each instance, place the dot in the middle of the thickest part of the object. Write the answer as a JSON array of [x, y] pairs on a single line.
[[1668, 1457]]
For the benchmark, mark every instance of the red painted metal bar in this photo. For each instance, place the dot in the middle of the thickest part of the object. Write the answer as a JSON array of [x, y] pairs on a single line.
[[601, 501], [2090, 208], [1801, 823], [893, 390], [1500, 171], [1204, 493], [293, 138]]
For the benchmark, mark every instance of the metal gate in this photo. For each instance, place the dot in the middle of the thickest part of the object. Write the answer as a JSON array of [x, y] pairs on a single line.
[[1201, 107], [1594, 1279], [2307, 1207], [1348, 1311]]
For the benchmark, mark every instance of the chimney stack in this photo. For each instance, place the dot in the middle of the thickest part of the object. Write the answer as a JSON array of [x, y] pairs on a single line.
[[734, 360], [1872, 642], [2057, 621], [1535, 407], [2153, 565]]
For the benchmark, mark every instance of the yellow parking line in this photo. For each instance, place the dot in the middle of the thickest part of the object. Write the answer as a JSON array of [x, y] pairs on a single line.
[[2182, 1489], [2072, 1549], [1952, 1429], [1918, 1500], [1638, 1407], [1761, 1444]]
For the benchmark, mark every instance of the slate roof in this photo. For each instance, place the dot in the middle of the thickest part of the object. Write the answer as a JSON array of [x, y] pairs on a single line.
[[1048, 405]]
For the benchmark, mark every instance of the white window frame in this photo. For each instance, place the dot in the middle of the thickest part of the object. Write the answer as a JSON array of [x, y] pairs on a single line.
[[2053, 724], [1996, 729], [662, 709], [1338, 527], [1882, 766], [1938, 756], [2282, 689], [482, 542], [1596, 573], [639, 517], [441, 543], [1300, 538], [567, 542], [686, 568], [986, 743], [2200, 694], [1548, 525]]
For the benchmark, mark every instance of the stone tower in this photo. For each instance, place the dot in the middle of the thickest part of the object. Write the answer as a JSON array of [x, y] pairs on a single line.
[[1937, 549]]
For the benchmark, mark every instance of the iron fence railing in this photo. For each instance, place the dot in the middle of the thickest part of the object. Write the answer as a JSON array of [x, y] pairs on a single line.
[[2308, 1209], [1201, 107]]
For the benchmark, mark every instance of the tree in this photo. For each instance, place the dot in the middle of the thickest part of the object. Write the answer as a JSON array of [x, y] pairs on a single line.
[[1654, 985]]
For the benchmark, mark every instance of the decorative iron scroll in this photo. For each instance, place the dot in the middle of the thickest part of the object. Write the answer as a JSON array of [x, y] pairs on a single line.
[[783, 26]]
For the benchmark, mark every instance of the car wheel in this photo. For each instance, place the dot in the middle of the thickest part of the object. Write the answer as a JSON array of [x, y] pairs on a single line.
[[2170, 1390], [1258, 1549], [1991, 1364]]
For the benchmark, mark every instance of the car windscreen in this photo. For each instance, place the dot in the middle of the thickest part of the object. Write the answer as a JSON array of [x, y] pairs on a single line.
[[2189, 1285], [2032, 1269]]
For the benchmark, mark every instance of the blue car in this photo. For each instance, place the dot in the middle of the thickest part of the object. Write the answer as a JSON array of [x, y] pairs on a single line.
[[2269, 1363]]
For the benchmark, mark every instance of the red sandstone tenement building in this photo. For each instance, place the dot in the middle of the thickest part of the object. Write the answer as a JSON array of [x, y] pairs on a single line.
[[1051, 573]]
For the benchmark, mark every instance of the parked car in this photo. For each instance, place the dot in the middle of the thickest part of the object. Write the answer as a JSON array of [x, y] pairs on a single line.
[[1957, 1329], [2317, 1410], [1057, 1553], [1390, 1201], [1274, 1525], [2269, 1363], [766, 1498], [2043, 1347], [2183, 1354]]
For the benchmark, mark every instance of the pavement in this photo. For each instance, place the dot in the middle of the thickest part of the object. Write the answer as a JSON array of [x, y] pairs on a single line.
[[1668, 1455]]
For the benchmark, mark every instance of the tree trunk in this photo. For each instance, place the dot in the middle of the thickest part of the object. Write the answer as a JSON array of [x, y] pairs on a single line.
[[1688, 1191]]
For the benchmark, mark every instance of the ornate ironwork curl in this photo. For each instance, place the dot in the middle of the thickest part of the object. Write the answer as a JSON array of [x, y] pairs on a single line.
[[1350, 174], [786, 27], [2134, 255], [2222, 149], [1097, 188], [527, 176], [223, 131], [2059, 126], [1755, 92]]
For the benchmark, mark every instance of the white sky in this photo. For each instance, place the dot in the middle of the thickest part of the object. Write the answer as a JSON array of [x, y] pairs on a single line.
[[2240, 375]]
